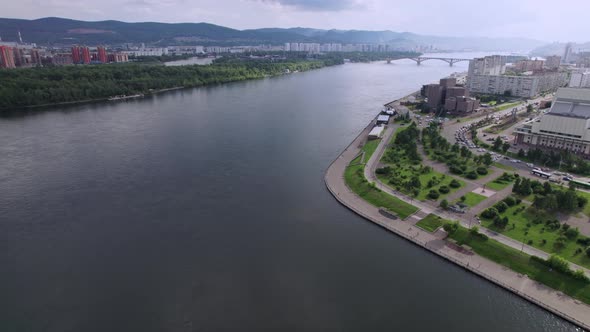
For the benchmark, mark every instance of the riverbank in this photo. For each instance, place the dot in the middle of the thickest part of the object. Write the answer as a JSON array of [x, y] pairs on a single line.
[[539, 294], [57, 86]]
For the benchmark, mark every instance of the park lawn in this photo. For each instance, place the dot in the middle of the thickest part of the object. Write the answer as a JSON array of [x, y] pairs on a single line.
[[522, 263], [406, 169], [431, 222], [498, 184], [586, 209], [523, 222], [356, 181], [472, 199], [370, 148], [504, 167], [506, 106]]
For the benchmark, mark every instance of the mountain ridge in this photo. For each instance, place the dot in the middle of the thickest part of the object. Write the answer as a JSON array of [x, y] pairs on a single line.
[[64, 31]]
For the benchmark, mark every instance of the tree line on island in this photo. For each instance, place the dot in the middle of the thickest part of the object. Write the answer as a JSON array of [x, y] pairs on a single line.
[[54, 85]]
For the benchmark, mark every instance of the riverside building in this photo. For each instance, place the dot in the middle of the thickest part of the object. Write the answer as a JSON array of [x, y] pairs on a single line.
[[565, 127]]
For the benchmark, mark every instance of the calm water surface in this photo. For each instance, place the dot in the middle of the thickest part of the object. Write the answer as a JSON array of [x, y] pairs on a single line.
[[205, 209]]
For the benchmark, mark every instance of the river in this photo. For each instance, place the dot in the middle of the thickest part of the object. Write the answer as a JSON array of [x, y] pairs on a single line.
[[205, 209]]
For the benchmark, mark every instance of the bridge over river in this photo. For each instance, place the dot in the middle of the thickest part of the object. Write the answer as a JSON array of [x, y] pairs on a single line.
[[420, 59]]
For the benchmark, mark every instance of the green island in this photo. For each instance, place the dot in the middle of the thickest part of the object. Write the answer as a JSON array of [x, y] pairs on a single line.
[[28, 87]]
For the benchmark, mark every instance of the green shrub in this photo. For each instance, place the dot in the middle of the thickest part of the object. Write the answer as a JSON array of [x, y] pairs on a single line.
[[510, 201], [433, 194], [482, 170], [501, 207], [444, 190], [489, 213]]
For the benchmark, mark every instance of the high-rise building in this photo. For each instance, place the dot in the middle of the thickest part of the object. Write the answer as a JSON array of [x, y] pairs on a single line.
[[85, 56], [553, 61], [75, 54], [35, 57], [102, 54], [489, 65], [567, 55], [19, 56], [529, 65], [6, 57]]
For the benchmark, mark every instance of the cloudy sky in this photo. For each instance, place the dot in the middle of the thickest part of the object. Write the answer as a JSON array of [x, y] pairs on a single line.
[[549, 20]]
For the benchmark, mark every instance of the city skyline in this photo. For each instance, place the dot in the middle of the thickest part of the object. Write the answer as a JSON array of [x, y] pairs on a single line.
[[456, 18]]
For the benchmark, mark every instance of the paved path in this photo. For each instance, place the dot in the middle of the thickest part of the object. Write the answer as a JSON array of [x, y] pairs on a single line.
[[550, 299]]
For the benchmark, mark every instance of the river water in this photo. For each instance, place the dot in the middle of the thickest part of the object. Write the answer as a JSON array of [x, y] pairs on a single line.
[[205, 209]]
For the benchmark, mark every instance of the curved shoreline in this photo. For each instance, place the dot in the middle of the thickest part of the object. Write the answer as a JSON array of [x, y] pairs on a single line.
[[543, 296]]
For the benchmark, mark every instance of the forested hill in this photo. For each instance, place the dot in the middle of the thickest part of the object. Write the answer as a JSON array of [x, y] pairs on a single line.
[[61, 31]]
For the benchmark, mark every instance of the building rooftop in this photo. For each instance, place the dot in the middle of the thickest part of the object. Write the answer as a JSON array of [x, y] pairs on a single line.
[[572, 102], [573, 94]]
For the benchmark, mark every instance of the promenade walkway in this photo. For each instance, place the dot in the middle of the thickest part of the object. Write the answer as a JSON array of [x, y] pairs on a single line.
[[548, 298]]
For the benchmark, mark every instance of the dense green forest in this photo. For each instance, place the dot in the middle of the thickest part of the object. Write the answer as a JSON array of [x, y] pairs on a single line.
[[50, 85]]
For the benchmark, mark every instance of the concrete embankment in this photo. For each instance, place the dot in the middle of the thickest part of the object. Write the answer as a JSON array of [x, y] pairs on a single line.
[[533, 291]]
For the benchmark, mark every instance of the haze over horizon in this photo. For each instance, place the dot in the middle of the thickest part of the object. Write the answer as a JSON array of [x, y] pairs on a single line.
[[460, 18]]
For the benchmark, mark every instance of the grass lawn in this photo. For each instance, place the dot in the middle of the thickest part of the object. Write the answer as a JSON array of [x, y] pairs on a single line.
[[472, 199], [403, 170], [525, 230], [370, 148], [407, 170], [506, 106], [497, 184], [586, 209], [521, 263], [504, 167], [431, 222]]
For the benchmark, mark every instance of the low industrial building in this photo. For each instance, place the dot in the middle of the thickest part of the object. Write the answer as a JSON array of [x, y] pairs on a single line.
[[565, 127], [383, 119], [376, 132]]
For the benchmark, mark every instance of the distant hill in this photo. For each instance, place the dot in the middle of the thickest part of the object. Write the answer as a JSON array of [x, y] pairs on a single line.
[[559, 49], [61, 31]]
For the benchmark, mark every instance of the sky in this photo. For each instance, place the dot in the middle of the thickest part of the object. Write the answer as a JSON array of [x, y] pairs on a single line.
[[547, 20]]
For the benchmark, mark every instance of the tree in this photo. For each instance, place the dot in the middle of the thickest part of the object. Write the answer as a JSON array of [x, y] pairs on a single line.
[[521, 153], [501, 206], [588, 251], [489, 213], [487, 159], [497, 144], [451, 227], [505, 147], [529, 108], [433, 194], [444, 204], [572, 233], [547, 188]]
